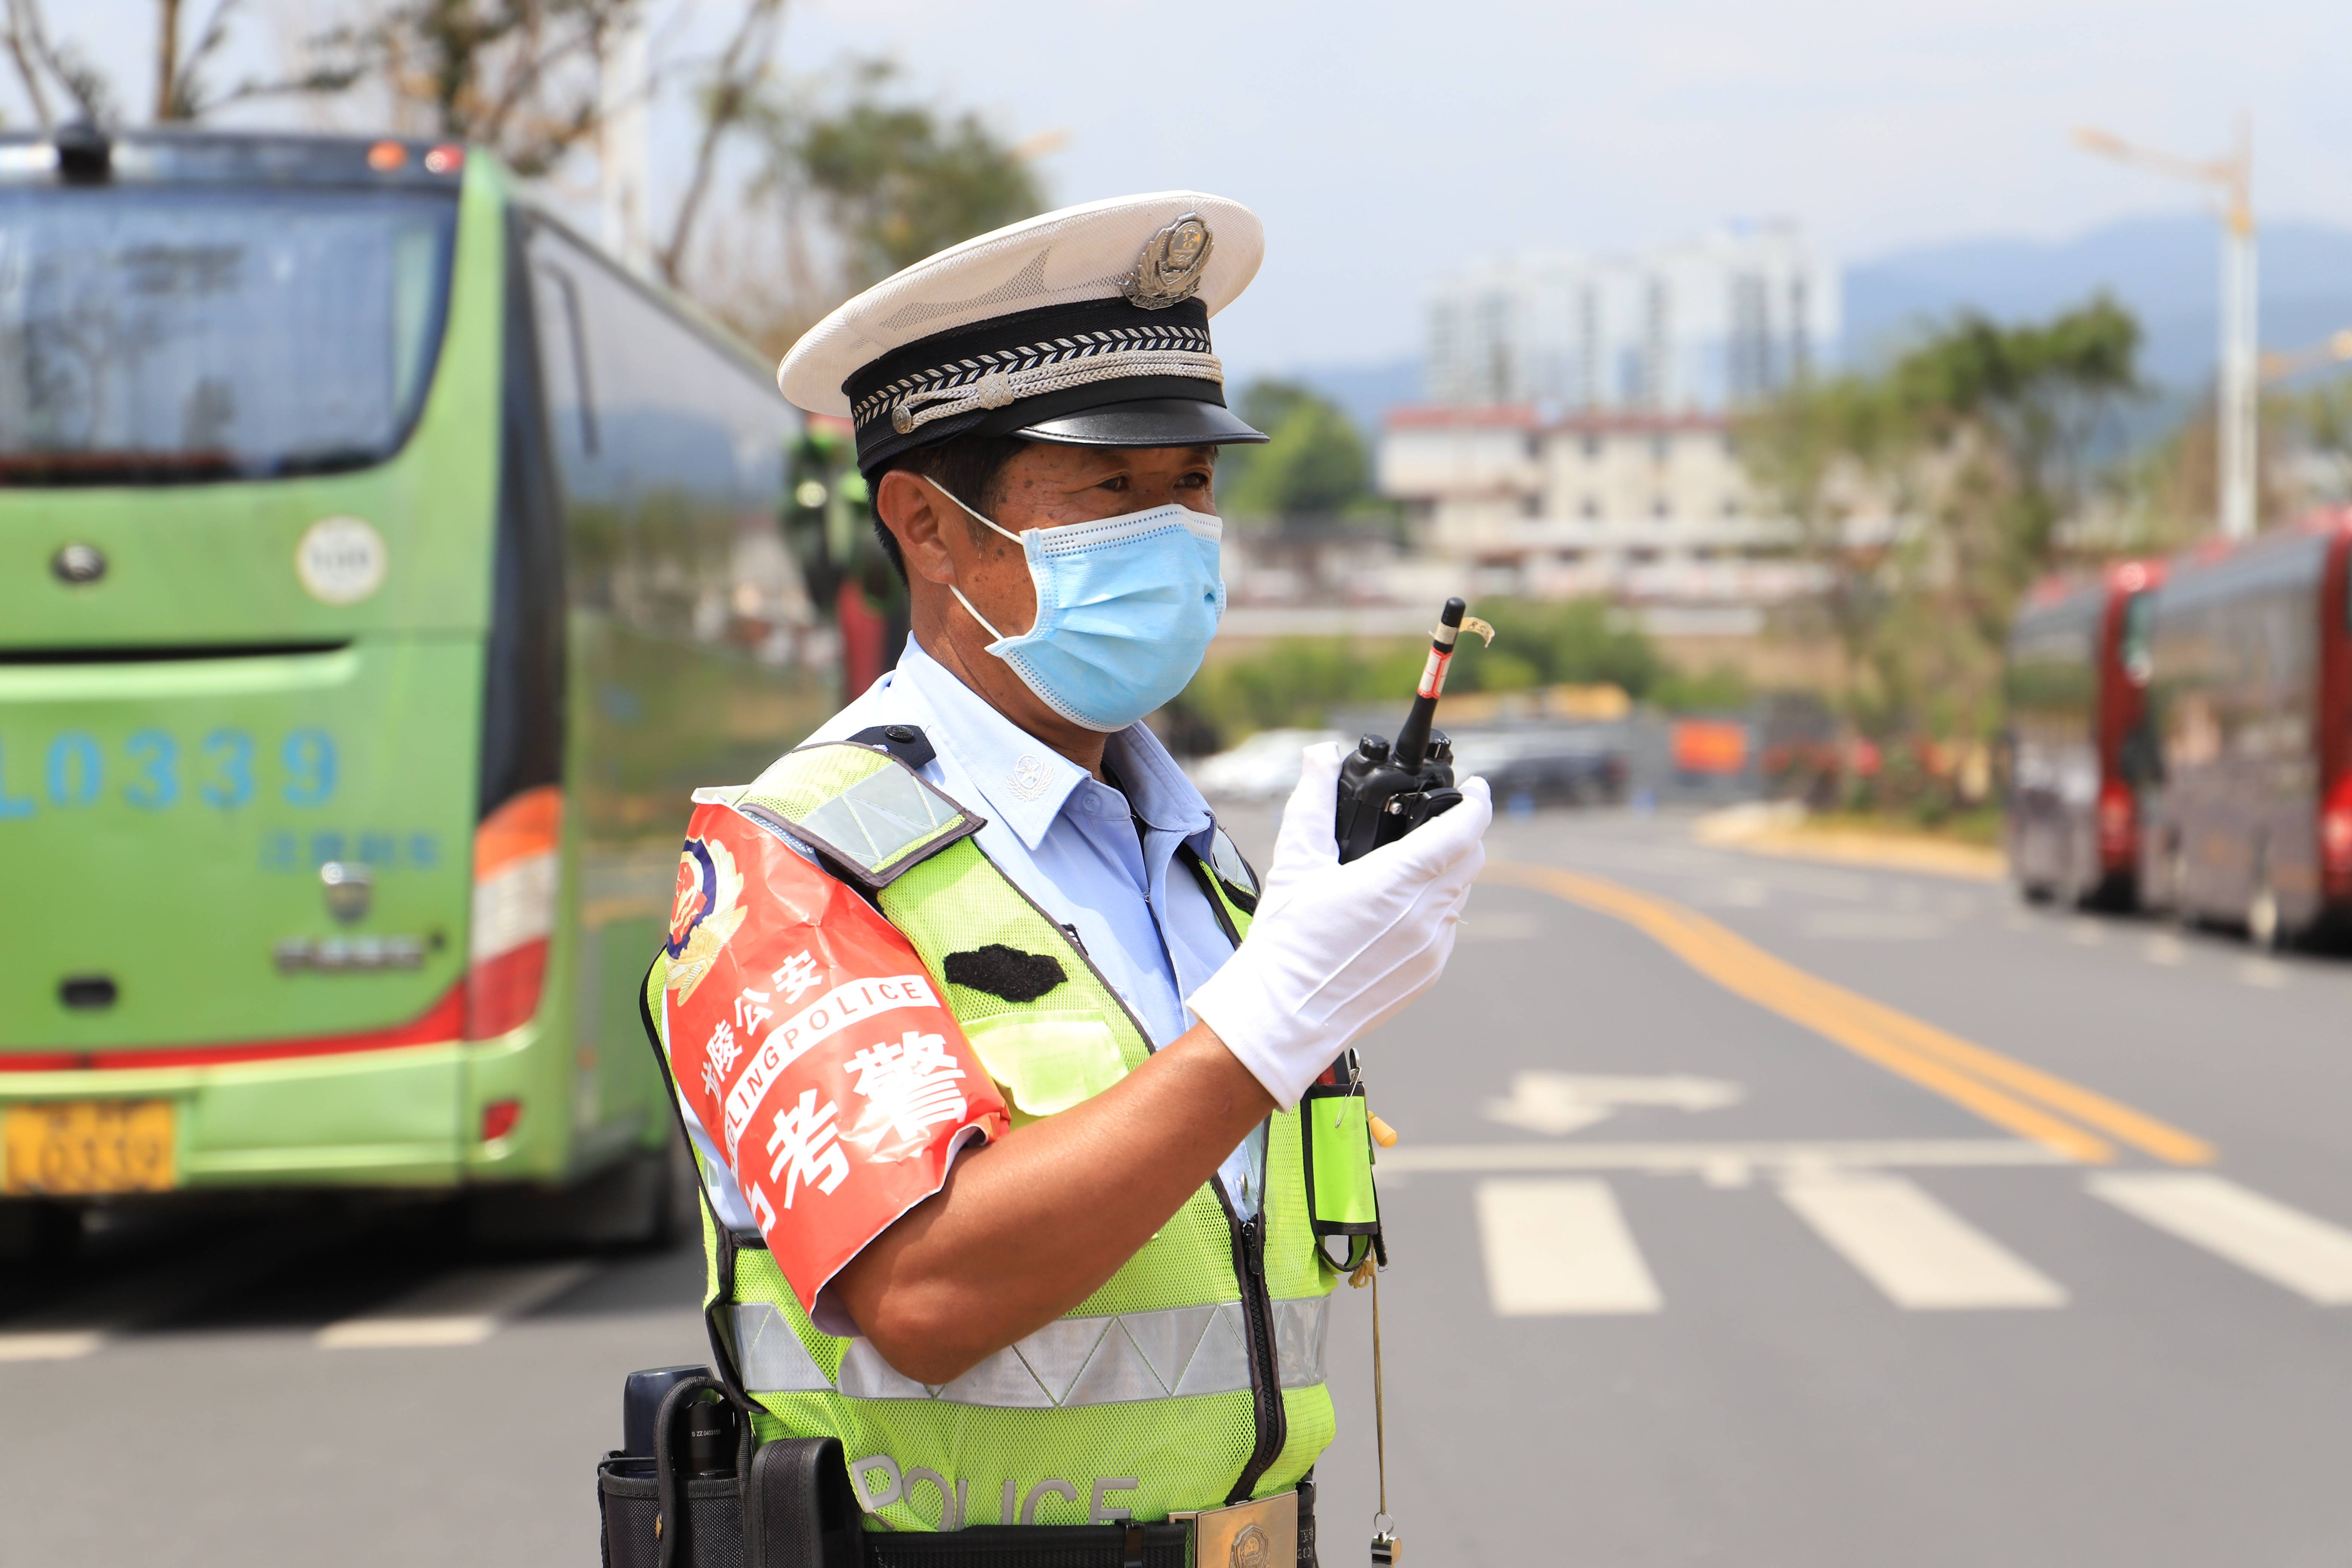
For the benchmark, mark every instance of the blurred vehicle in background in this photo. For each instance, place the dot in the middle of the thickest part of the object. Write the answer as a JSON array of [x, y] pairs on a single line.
[[386, 566], [1540, 765], [829, 524], [2078, 686], [1264, 767], [2246, 793], [1551, 765]]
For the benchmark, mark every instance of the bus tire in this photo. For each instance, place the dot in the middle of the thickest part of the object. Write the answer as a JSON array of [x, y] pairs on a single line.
[[2184, 913], [630, 1205], [2265, 926], [35, 1232]]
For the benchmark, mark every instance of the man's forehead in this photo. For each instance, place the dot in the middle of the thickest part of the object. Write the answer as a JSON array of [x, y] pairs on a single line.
[[1043, 456]]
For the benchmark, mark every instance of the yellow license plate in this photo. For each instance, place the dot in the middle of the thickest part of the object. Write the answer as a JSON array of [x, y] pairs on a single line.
[[86, 1146]]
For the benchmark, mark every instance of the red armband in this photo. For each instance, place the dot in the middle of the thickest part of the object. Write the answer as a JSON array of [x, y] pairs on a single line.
[[810, 1041]]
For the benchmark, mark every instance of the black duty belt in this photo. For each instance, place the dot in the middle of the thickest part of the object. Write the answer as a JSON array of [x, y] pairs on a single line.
[[791, 1506]]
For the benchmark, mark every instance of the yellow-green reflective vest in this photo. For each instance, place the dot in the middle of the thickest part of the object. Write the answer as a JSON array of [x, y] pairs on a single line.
[[1192, 1378]]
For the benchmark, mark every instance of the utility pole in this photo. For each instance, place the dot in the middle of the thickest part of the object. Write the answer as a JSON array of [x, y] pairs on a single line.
[[2233, 177], [625, 89]]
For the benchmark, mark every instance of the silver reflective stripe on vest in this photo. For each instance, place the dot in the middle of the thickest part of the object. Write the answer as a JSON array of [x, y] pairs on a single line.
[[1174, 1353], [881, 817]]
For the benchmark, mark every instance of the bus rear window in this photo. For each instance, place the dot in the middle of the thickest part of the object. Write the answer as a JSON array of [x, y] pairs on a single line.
[[155, 336]]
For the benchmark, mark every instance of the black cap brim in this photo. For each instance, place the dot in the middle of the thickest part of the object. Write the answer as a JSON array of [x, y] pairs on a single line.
[[1144, 422]]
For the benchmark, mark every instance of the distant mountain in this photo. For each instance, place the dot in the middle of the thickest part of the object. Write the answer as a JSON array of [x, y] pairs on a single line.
[[2167, 269]]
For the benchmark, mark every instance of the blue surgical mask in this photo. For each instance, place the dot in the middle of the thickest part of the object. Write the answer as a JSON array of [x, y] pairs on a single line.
[[1126, 606]]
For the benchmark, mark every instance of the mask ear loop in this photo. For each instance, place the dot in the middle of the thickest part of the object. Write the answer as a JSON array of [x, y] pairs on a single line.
[[984, 521], [994, 635]]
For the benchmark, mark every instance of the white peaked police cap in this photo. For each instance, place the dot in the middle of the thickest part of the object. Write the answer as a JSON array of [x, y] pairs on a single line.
[[1088, 326]]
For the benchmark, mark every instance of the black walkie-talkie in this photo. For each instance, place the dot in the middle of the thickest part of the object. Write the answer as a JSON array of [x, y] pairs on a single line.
[[1387, 790]]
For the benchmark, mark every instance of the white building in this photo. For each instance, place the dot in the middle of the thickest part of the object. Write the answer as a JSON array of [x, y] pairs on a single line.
[[1697, 327], [1648, 507]]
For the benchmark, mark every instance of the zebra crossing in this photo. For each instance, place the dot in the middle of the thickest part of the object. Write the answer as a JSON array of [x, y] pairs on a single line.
[[1562, 1245]]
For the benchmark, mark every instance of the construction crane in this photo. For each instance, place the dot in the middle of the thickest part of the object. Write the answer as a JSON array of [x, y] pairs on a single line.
[[2232, 175]]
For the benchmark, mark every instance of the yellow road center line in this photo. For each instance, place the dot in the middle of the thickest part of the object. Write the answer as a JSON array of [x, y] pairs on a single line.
[[1960, 1071]]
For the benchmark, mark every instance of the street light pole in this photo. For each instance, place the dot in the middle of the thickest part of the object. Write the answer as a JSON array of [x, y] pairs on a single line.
[[2232, 175], [2239, 433], [624, 91]]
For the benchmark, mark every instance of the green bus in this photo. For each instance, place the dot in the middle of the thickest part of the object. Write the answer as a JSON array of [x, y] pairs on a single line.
[[380, 567]]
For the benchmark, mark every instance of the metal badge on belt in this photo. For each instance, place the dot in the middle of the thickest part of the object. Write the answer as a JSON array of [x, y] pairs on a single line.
[[1261, 1534]]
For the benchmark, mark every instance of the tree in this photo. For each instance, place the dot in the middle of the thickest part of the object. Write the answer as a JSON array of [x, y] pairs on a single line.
[[182, 91], [896, 182], [1975, 444], [518, 77], [889, 181], [42, 63], [1314, 462], [730, 103]]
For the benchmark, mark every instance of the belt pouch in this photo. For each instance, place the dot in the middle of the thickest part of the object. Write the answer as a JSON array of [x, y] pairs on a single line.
[[655, 1517], [629, 1496], [798, 1510]]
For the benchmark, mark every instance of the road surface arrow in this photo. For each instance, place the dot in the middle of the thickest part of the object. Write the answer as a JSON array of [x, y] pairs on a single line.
[[1558, 1102]]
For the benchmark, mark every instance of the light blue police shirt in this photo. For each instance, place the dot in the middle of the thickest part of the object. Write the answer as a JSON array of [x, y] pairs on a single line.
[[1070, 843]]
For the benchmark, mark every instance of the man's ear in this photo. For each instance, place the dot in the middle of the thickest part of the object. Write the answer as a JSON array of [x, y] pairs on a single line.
[[908, 509]]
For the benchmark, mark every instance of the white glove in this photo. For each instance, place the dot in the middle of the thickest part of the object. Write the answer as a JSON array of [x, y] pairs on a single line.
[[1335, 949]]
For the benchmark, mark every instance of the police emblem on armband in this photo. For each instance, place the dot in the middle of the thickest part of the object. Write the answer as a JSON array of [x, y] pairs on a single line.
[[706, 909]]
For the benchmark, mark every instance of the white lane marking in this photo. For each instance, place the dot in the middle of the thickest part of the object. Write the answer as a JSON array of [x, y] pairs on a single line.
[[1737, 893], [2166, 948], [2264, 973], [2086, 933], [1707, 1159], [1872, 925], [460, 1308], [1558, 1102], [1922, 1254], [1556, 1247], [64, 1344], [2309, 1255], [1500, 928]]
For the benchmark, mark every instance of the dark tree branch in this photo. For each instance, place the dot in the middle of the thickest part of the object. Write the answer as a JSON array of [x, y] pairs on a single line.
[[727, 102]]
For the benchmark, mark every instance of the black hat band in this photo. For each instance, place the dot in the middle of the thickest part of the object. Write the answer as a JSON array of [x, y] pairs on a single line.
[[942, 385]]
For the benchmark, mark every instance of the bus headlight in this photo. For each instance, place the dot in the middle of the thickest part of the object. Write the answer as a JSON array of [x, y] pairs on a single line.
[[516, 868]]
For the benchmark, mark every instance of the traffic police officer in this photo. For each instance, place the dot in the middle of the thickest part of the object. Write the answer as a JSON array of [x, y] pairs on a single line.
[[1115, 1311]]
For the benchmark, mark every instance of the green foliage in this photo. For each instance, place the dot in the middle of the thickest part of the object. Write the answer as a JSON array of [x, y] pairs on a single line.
[[1315, 463], [1722, 689], [1299, 680], [1578, 641], [1976, 440], [899, 183]]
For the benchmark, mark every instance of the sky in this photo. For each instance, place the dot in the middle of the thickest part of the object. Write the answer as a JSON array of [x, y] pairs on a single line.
[[1386, 143]]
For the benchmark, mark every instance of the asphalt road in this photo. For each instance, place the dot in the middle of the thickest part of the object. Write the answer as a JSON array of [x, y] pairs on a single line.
[[1748, 1211]]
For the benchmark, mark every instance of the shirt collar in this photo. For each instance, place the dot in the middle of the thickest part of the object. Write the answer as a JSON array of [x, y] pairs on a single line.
[[1157, 791], [1024, 781]]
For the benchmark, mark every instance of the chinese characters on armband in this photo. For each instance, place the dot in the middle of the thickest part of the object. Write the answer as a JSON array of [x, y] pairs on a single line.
[[806, 1036]]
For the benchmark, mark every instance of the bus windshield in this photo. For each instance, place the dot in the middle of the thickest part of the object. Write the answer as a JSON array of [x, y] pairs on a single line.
[[159, 334]]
